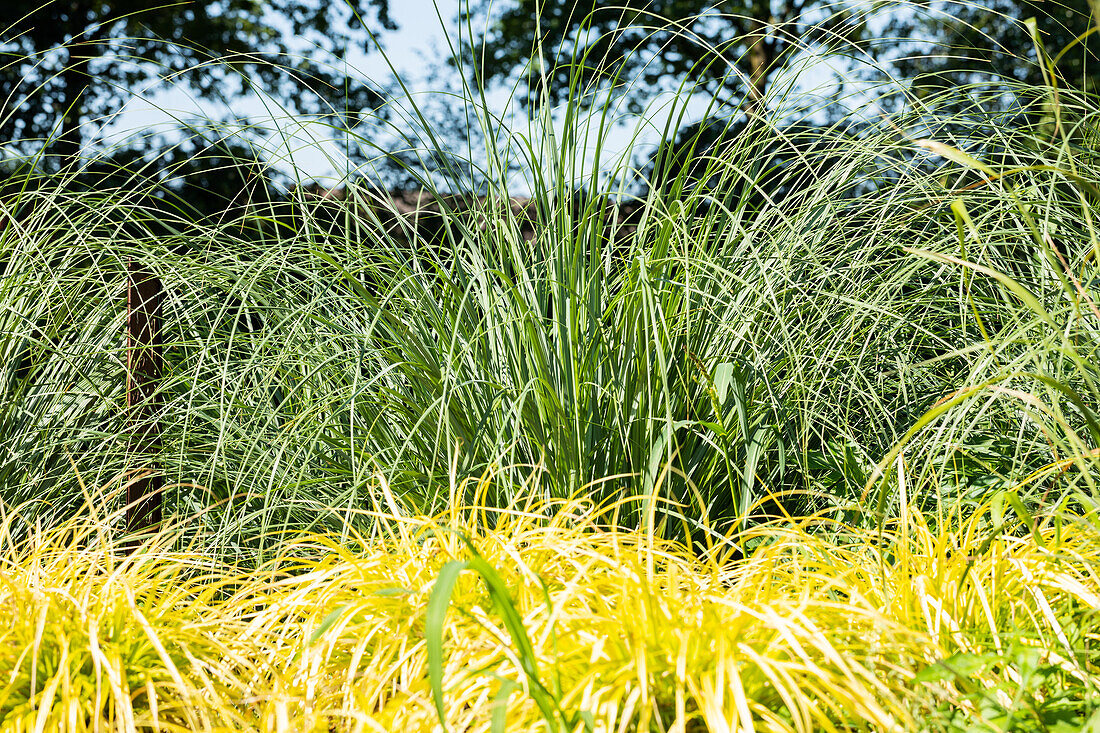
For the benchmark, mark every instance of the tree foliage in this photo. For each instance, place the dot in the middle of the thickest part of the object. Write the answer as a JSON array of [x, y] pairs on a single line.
[[950, 43], [64, 63], [731, 48]]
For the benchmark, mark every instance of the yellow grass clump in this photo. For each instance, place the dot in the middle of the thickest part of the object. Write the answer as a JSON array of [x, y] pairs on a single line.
[[556, 622]]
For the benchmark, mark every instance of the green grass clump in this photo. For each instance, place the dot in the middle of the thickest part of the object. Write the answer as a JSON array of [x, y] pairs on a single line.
[[753, 326], [721, 349]]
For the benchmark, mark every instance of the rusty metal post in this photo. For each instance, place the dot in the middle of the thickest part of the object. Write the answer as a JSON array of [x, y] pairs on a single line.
[[144, 361]]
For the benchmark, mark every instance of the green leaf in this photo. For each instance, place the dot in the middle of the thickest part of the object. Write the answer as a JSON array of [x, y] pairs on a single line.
[[960, 664], [326, 624], [723, 375], [513, 622], [388, 592], [438, 603], [1029, 521], [955, 155], [499, 720]]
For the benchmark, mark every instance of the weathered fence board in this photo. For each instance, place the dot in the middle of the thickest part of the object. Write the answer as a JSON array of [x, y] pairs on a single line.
[[144, 365]]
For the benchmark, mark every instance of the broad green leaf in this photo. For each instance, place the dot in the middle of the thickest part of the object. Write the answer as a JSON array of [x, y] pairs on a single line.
[[723, 375], [438, 603]]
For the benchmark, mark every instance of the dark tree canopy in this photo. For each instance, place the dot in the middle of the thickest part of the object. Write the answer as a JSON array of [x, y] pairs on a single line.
[[732, 48], [765, 170], [955, 43], [65, 62]]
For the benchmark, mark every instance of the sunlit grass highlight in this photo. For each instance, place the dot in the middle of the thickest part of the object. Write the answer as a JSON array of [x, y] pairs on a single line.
[[974, 618]]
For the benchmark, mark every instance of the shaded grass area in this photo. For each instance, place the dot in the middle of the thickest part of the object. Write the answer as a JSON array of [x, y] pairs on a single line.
[[978, 623]]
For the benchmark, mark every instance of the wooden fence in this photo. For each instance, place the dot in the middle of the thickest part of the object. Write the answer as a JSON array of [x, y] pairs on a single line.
[[144, 366]]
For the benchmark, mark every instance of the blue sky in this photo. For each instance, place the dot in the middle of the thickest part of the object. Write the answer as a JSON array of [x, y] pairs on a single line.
[[413, 49], [417, 50]]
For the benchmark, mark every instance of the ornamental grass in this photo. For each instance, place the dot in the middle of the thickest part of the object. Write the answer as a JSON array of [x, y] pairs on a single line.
[[982, 619]]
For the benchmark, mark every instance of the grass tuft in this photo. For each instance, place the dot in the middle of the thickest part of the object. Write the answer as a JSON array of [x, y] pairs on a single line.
[[566, 624]]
